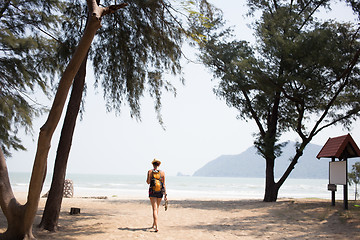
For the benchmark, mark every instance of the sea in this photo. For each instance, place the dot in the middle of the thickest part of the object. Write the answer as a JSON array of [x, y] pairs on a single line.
[[184, 187]]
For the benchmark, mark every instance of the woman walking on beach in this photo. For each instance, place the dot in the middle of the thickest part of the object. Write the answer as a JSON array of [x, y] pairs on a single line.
[[156, 179]]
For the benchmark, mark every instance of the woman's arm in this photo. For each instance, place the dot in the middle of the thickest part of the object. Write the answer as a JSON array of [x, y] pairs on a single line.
[[148, 177], [165, 194]]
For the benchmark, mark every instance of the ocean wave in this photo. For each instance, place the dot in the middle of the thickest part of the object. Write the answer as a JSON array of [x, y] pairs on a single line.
[[190, 187]]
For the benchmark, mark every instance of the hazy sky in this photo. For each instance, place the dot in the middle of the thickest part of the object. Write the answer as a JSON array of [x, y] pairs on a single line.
[[199, 127]]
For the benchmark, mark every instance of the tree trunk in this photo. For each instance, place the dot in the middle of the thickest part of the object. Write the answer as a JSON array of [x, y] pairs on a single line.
[[271, 188], [51, 213], [21, 217], [269, 141], [11, 208]]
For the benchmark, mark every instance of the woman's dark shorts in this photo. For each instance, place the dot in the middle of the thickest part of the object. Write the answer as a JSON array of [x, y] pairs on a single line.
[[155, 194]]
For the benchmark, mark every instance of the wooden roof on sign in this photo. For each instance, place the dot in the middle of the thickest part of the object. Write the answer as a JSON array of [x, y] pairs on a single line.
[[340, 147]]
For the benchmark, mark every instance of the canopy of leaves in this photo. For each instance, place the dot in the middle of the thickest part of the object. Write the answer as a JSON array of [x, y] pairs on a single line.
[[134, 48], [131, 53], [300, 68], [26, 61]]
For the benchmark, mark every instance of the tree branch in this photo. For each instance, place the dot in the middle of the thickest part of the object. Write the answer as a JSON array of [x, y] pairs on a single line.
[[6, 5], [253, 113], [51, 36], [174, 18], [113, 8], [6, 192], [347, 116], [345, 74], [314, 131], [299, 153], [301, 110], [310, 15], [275, 4]]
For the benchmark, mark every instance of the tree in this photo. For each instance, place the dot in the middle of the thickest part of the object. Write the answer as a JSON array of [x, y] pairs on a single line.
[[134, 48], [26, 62], [168, 50], [51, 212], [301, 76], [354, 177], [20, 217]]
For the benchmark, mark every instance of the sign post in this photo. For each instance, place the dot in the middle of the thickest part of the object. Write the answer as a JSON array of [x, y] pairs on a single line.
[[333, 190], [338, 176], [346, 202], [342, 148]]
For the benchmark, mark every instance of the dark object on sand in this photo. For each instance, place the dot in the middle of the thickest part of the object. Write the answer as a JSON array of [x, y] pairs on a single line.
[[166, 204], [74, 211]]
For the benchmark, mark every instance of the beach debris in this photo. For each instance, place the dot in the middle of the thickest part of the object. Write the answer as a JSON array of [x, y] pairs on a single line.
[[74, 211], [68, 188], [96, 197]]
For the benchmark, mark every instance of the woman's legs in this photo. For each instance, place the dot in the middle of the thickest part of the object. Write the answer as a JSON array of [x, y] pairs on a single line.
[[155, 203]]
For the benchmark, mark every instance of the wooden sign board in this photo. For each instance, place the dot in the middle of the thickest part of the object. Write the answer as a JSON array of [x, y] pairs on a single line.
[[337, 174]]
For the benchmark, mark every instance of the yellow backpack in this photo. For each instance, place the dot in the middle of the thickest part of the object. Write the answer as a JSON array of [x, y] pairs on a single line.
[[156, 181]]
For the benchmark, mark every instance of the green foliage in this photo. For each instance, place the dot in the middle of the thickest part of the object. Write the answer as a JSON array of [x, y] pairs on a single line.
[[355, 5], [203, 17], [301, 75], [27, 59], [354, 175], [134, 48], [299, 69], [131, 53]]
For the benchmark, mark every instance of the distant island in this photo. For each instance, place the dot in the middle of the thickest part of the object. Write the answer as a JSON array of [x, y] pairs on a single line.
[[180, 174], [250, 164]]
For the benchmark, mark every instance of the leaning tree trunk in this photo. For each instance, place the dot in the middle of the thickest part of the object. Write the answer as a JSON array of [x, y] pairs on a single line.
[[51, 213], [21, 217]]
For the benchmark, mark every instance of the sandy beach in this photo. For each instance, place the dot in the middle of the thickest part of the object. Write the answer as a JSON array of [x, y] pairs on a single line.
[[115, 218]]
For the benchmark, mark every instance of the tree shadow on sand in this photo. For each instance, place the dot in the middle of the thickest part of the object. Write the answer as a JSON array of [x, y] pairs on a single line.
[[135, 229], [297, 220], [227, 205], [68, 227]]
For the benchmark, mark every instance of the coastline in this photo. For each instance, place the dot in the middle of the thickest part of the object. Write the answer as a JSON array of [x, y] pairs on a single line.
[[135, 187], [118, 218]]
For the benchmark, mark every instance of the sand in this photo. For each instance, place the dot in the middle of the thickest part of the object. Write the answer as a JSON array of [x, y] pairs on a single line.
[[115, 218]]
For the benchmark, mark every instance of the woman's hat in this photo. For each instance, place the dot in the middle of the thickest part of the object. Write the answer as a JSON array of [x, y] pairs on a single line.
[[156, 160]]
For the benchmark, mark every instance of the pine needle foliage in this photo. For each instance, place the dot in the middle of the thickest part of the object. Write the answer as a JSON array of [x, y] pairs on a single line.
[[27, 60], [135, 49], [297, 59], [132, 53], [301, 75]]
